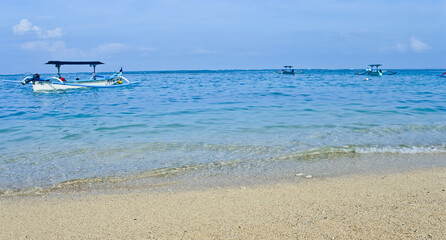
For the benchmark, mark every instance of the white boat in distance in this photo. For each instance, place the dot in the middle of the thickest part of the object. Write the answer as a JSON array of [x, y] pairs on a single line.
[[60, 83]]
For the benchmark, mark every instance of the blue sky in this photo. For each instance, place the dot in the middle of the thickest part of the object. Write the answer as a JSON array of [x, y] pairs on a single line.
[[222, 34]]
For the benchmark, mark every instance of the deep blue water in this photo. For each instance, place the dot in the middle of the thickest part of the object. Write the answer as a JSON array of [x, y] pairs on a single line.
[[178, 119]]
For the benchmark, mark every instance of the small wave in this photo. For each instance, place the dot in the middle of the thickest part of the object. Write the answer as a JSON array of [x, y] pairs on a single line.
[[120, 127], [401, 149], [9, 130], [74, 136], [355, 150], [319, 153]]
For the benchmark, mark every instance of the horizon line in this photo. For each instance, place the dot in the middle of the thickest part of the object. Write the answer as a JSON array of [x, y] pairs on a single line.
[[234, 69]]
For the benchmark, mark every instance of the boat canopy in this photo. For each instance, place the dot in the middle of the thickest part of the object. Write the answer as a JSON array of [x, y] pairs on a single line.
[[57, 64], [287, 66], [375, 65], [93, 63]]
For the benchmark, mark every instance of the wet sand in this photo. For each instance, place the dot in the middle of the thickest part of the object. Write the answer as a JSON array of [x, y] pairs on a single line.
[[408, 205]]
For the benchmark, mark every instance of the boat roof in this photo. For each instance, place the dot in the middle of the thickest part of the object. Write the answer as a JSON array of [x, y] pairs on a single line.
[[287, 66], [375, 65], [59, 63]]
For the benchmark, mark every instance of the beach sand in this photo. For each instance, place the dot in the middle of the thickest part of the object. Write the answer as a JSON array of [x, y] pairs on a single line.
[[408, 205]]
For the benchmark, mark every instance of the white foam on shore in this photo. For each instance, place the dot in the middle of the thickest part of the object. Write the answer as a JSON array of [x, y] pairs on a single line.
[[402, 149]]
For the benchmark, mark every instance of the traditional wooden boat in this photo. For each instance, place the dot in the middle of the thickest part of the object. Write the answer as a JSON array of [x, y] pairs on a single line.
[[60, 83], [375, 70], [290, 70]]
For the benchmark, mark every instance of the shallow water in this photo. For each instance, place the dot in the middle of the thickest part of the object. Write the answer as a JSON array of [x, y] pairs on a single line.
[[207, 123]]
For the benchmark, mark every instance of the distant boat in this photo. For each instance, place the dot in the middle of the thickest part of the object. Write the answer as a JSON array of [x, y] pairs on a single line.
[[290, 70], [60, 83], [375, 70]]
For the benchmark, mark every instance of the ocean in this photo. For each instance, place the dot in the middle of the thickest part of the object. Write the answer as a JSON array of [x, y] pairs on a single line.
[[218, 127]]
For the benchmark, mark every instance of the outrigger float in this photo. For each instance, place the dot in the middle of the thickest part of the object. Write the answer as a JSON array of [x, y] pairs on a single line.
[[374, 70], [60, 83]]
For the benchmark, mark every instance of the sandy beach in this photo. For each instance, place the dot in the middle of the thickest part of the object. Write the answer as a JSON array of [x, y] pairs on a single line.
[[408, 205]]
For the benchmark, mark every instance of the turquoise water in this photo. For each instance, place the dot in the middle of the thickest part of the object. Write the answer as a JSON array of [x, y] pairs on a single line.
[[210, 121]]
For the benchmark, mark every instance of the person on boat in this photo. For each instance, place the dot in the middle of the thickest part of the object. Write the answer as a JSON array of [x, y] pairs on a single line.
[[63, 79], [36, 77]]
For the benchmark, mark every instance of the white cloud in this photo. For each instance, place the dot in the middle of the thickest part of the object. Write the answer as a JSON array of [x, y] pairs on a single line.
[[22, 27], [45, 40], [50, 46], [203, 51], [418, 46], [112, 48], [401, 47], [414, 45], [57, 49], [57, 32], [25, 26], [109, 48]]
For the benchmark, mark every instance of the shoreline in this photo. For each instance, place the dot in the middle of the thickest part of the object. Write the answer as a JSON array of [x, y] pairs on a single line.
[[402, 205], [238, 173]]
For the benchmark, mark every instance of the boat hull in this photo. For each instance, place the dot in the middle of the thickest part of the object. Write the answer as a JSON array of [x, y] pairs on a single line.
[[375, 73], [50, 85], [370, 73]]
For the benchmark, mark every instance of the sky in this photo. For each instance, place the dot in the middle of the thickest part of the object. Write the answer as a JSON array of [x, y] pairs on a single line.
[[151, 35]]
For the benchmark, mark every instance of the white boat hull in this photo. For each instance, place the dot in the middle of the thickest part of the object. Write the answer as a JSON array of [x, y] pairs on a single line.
[[50, 85]]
